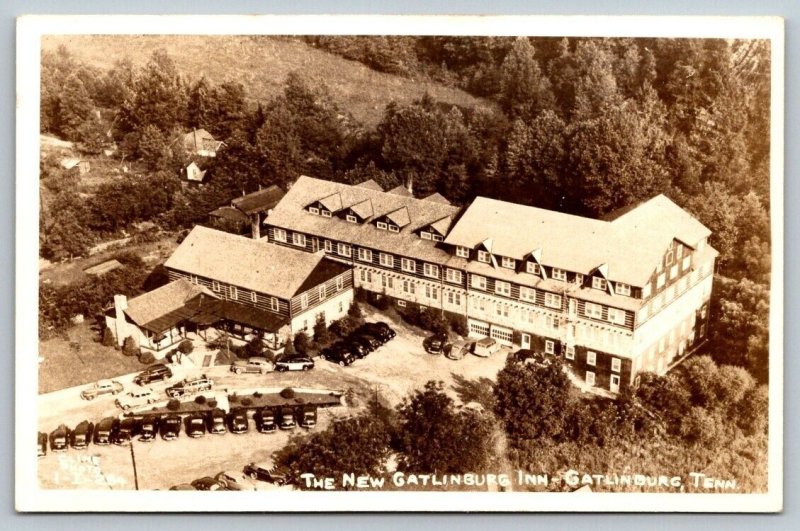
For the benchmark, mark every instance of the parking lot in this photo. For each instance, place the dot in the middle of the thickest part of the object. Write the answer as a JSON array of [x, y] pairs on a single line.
[[393, 371]]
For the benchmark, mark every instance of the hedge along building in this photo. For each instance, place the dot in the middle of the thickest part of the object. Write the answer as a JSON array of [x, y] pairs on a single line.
[[613, 297]]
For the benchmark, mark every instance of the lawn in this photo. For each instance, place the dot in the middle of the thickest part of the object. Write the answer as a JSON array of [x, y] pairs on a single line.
[[262, 63], [80, 359]]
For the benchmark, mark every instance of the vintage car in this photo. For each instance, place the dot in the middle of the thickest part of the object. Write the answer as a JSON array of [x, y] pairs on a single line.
[[81, 435], [265, 471], [101, 387], [295, 363], [256, 365], [190, 387], [154, 373], [104, 429], [137, 397]]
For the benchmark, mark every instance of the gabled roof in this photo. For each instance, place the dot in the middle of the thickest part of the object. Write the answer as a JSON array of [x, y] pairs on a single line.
[[145, 309], [260, 201], [443, 225], [438, 198], [231, 214], [370, 185], [291, 214], [363, 209], [332, 202], [246, 263], [631, 245], [399, 217], [401, 190]]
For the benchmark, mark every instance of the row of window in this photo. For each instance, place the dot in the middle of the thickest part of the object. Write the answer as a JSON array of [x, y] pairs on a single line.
[[233, 293], [671, 293], [591, 356]]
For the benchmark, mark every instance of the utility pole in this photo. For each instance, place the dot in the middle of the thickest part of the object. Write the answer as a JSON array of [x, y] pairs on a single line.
[[133, 460]]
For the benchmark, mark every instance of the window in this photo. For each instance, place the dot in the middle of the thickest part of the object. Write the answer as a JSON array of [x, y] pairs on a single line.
[[599, 283], [382, 225], [299, 239], [483, 256], [323, 292], [401, 304], [570, 354], [670, 257], [662, 279], [365, 255], [593, 310], [673, 271], [478, 282], [432, 293], [502, 288], [328, 246], [527, 294], [687, 261], [454, 275], [408, 287], [273, 304], [559, 274], [314, 210], [388, 282], [549, 346], [253, 296], [454, 298], [579, 279], [215, 285], [343, 249], [590, 378], [351, 218], [408, 265], [622, 289], [366, 276], [341, 306], [326, 213], [304, 301], [510, 263], [279, 235], [339, 283], [552, 300], [425, 235], [502, 310], [437, 238], [386, 260], [430, 270], [533, 267], [463, 252], [646, 291], [394, 228], [591, 358], [616, 316], [552, 322]]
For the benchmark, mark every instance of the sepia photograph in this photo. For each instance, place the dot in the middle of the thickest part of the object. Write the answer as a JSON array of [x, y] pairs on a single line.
[[498, 267]]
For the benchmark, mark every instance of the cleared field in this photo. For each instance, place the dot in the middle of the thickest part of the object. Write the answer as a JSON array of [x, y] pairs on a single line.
[[262, 63]]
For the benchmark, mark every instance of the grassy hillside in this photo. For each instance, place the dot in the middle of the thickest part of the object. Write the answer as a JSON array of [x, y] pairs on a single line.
[[262, 63]]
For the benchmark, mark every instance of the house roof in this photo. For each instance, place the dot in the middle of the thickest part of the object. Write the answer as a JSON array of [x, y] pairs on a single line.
[[150, 309], [199, 139], [243, 262], [370, 184], [332, 202], [443, 225], [363, 209], [231, 214], [259, 201], [401, 190], [630, 245], [290, 214], [439, 198], [399, 217]]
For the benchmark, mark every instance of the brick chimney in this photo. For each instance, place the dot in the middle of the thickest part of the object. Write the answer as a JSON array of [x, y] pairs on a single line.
[[120, 305]]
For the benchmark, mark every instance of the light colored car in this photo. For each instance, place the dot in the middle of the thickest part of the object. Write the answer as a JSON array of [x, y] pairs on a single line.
[[190, 387], [252, 365], [298, 363], [102, 387], [139, 396], [485, 347], [458, 349], [231, 480]]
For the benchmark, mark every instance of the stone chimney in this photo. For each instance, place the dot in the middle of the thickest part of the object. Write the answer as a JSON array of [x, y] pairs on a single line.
[[120, 305], [410, 185]]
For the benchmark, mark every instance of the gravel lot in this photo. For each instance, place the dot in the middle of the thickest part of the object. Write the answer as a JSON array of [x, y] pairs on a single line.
[[395, 370]]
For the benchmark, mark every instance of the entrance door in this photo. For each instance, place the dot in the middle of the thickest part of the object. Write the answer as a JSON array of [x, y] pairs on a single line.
[[614, 385], [526, 341]]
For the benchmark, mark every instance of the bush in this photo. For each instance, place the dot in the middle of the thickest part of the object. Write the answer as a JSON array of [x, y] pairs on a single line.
[[257, 394], [108, 338], [212, 403], [354, 311], [174, 404], [382, 303], [247, 402], [129, 347], [146, 357], [458, 324], [233, 398], [200, 399], [288, 349], [344, 326], [186, 347], [287, 393], [301, 343]]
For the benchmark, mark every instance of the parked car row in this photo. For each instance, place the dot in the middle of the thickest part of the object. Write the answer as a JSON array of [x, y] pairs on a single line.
[[365, 339], [112, 430], [264, 471], [438, 344]]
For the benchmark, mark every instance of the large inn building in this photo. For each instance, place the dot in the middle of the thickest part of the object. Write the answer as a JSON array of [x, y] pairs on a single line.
[[612, 297]]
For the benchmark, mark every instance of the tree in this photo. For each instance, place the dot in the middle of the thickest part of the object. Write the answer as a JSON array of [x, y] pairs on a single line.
[[74, 107], [524, 89], [357, 445], [301, 343], [199, 107], [159, 97], [322, 336], [434, 437], [152, 147], [129, 347], [288, 349]]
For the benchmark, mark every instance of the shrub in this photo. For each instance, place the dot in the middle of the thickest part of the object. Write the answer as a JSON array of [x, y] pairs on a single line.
[[344, 326], [186, 346], [200, 399], [458, 323], [233, 398], [129, 347], [108, 338], [247, 402], [322, 335], [301, 343], [174, 404], [355, 310], [288, 349], [146, 357], [257, 394], [383, 303], [212, 403], [287, 393]]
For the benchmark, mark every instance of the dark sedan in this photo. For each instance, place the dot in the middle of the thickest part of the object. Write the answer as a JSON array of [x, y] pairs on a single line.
[[170, 427], [237, 420]]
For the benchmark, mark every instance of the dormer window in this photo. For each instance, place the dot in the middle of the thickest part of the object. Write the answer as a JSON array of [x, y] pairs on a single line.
[[622, 289], [325, 213], [598, 283], [437, 238], [510, 263], [314, 210], [351, 218], [394, 228], [462, 252], [559, 274], [425, 235], [533, 267], [579, 279], [484, 257], [382, 225]]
